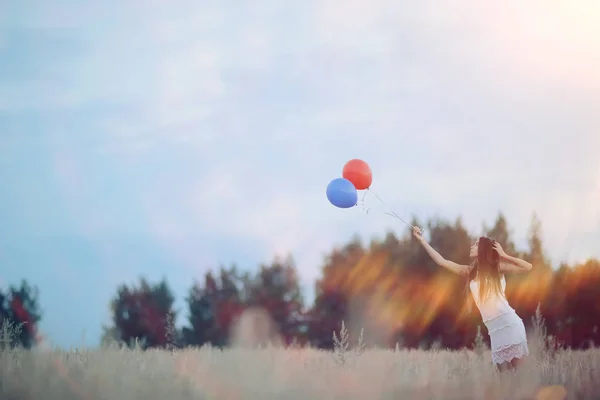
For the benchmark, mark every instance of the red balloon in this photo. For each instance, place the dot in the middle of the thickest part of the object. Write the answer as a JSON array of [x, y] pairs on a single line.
[[359, 173]]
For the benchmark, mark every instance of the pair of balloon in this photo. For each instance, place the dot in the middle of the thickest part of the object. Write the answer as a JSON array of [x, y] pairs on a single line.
[[343, 192]]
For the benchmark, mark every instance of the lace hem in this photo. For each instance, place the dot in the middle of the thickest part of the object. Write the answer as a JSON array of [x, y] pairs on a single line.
[[510, 352]]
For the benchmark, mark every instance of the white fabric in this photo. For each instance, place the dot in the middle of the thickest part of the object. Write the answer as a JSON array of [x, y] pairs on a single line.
[[494, 305], [507, 332], [508, 337]]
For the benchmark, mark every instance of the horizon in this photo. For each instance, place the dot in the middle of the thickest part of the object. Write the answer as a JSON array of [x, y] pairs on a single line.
[[168, 139]]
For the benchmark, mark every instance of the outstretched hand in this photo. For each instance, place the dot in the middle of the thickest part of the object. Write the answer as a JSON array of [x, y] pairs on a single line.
[[417, 232]]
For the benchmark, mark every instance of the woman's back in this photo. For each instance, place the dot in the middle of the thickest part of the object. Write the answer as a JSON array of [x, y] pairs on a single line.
[[494, 305]]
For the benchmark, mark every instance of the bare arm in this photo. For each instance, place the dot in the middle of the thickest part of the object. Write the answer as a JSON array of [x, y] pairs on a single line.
[[515, 265], [510, 264], [439, 260]]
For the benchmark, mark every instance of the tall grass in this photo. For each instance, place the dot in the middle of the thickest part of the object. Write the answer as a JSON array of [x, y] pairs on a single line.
[[273, 372]]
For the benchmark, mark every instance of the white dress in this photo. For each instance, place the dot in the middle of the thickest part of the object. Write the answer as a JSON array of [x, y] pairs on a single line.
[[505, 327]]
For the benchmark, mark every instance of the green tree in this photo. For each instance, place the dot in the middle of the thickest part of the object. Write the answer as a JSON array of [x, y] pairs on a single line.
[[202, 319], [535, 254], [19, 306], [501, 233], [143, 312], [527, 291], [583, 306], [276, 289], [555, 307], [453, 241], [332, 297], [412, 257], [212, 308]]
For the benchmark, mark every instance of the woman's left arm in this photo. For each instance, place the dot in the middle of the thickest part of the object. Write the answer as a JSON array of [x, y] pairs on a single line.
[[510, 264]]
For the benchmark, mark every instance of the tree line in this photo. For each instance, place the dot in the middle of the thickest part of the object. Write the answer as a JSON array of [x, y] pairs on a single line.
[[390, 287]]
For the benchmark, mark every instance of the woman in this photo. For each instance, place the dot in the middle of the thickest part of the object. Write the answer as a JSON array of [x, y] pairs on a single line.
[[487, 284]]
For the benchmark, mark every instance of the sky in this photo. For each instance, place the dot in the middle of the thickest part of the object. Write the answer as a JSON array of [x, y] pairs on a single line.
[[164, 138]]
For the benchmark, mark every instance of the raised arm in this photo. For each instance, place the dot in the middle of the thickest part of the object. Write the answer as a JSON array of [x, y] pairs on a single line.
[[510, 264], [437, 258]]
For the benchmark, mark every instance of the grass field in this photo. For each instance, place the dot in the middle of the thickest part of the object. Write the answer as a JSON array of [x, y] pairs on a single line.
[[118, 373], [275, 373]]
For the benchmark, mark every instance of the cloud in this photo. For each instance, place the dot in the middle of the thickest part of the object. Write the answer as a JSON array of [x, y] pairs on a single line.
[[384, 81], [208, 129]]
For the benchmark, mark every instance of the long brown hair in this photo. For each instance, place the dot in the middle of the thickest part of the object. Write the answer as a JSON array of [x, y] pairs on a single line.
[[486, 269]]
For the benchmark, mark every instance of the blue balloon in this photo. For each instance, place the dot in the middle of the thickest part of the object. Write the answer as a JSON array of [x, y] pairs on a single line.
[[342, 193]]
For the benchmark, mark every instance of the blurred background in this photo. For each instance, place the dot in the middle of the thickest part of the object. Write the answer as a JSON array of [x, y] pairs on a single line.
[[163, 166]]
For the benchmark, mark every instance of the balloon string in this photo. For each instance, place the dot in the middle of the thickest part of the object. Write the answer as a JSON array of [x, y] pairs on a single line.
[[393, 213], [362, 203]]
